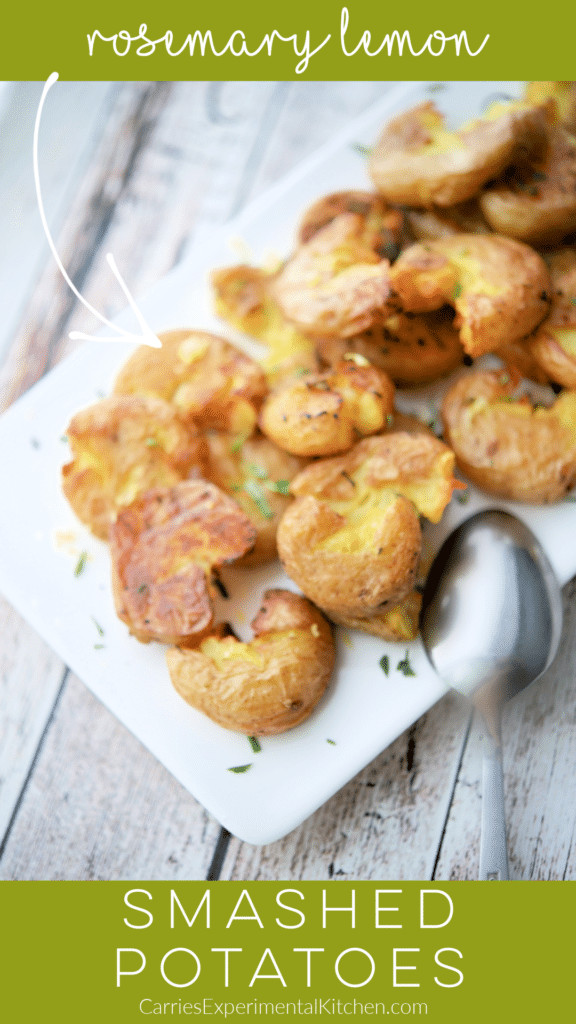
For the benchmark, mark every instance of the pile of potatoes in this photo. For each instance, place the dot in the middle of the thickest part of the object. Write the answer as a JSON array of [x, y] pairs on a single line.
[[203, 457]]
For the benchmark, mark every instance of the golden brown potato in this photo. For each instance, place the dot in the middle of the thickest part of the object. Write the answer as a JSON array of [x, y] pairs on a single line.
[[383, 225], [325, 413], [256, 473], [399, 624], [465, 218], [335, 283], [418, 162], [564, 96], [505, 444], [121, 447], [554, 344], [243, 297], [208, 380], [500, 288], [268, 685], [517, 355], [536, 201], [165, 550], [412, 349], [351, 540]]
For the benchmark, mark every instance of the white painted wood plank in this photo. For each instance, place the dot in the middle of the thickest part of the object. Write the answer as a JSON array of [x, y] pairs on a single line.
[[384, 824], [99, 806]]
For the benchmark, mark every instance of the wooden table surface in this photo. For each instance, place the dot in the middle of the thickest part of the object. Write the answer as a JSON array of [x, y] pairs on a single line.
[[145, 170]]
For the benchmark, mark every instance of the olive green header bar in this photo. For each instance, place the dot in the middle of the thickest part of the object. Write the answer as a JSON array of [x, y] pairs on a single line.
[[354, 39], [130, 951]]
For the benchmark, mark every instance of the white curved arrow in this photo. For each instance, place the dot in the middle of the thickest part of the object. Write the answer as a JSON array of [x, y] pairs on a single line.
[[147, 337]]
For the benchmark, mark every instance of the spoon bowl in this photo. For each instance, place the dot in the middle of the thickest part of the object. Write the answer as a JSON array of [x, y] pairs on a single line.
[[491, 624]]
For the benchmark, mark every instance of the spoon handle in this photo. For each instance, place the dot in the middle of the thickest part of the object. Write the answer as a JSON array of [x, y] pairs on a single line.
[[493, 853]]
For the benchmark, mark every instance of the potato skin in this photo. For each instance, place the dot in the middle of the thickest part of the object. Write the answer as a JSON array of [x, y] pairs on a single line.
[[253, 464], [122, 447], [412, 349], [268, 685], [552, 345], [510, 448], [352, 539], [209, 381], [164, 549], [399, 624], [384, 225], [500, 288], [324, 413], [536, 202], [408, 167], [334, 283]]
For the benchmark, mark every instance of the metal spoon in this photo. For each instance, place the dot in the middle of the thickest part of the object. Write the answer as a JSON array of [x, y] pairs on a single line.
[[491, 624]]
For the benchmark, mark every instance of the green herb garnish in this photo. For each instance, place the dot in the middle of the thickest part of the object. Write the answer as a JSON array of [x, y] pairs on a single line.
[[239, 769], [573, 301], [99, 647], [331, 742], [358, 147], [385, 664], [142, 588], [255, 744], [254, 491], [404, 666], [457, 290], [237, 444], [98, 626], [257, 471], [301, 371], [462, 497], [152, 442], [279, 487], [81, 564]]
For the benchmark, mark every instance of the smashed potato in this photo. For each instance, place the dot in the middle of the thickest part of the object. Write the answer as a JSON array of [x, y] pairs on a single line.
[[121, 447], [536, 201], [418, 162], [243, 297], [465, 218], [208, 380], [412, 349], [399, 624], [500, 288], [383, 225], [554, 344], [351, 540], [268, 685], [256, 473], [166, 549], [335, 283], [323, 414], [508, 446]]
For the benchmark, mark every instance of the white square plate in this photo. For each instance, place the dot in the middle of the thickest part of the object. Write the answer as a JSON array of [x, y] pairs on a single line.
[[364, 710]]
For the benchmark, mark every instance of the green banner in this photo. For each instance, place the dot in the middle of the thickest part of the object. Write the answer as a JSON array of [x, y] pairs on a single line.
[[121, 951], [333, 40]]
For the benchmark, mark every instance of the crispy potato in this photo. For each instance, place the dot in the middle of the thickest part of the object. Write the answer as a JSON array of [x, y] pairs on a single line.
[[335, 283], [243, 297], [324, 413], [208, 380], [554, 344], [399, 624], [564, 96], [256, 473], [418, 162], [505, 444], [465, 218], [121, 447], [536, 201], [412, 349], [383, 225], [166, 548], [517, 356], [500, 288], [268, 685], [351, 540]]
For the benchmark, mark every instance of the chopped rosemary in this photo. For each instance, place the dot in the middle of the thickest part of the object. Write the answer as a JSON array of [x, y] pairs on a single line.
[[255, 744], [331, 742], [98, 626], [254, 491], [278, 486], [573, 301], [142, 588], [257, 471], [64, 438], [237, 444], [404, 665], [99, 647], [301, 371], [81, 564], [462, 497], [385, 664], [358, 147], [152, 442], [457, 290], [239, 769]]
